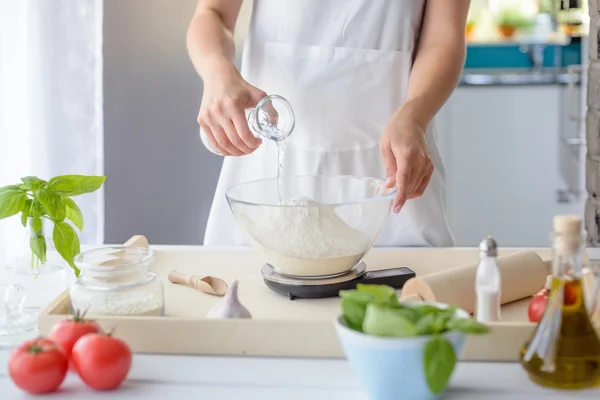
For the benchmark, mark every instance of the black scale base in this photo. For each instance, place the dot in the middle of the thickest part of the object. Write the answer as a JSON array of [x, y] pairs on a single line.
[[330, 286]]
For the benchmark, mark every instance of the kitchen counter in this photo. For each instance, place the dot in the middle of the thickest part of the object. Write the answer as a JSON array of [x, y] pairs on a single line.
[[275, 378], [516, 77], [226, 378]]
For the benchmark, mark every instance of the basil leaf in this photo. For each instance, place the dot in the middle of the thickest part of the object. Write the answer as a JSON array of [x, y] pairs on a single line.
[[36, 225], [425, 324], [439, 361], [75, 185], [53, 204], [355, 295], [10, 188], [33, 183], [380, 293], [468, 326], [37, 243], [66, 242], [354, 305], [425, 309], [354, 313], [74, 213], [386, 321], [25, 212], [12, 202], [36, 209]]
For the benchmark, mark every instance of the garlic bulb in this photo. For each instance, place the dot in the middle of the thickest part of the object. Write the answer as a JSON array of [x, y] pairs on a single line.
[[229, 306]]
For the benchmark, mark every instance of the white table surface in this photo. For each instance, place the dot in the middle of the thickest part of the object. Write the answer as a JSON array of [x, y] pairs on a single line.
[[193, 377]]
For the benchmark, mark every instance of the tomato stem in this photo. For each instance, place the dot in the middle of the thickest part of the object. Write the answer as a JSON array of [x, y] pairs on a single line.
[[79, 316], [35, 348]]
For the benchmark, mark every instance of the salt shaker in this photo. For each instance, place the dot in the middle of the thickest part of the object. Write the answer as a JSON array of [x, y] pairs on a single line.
[[488, 283], [272, 118]]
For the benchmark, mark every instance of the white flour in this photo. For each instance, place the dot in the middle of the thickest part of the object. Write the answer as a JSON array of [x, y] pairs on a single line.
[[134, 303], [308, 240]]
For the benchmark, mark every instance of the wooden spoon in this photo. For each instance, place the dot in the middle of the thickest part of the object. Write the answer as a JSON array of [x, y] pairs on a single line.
[[116, 257], [207, 284]]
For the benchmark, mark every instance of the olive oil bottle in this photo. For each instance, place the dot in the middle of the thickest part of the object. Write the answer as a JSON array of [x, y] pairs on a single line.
[[564, 351]]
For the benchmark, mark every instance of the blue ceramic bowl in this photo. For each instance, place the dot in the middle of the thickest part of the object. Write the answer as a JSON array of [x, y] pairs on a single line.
[[392, 368]]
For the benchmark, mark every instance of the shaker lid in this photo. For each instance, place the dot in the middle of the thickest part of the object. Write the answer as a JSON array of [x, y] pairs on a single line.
[[488, 247]]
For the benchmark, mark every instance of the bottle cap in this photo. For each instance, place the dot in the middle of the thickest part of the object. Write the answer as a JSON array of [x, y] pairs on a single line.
[[567, 224], [489, 247]]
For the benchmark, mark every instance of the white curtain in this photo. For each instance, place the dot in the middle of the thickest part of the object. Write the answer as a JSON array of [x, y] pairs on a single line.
[[51, 103]]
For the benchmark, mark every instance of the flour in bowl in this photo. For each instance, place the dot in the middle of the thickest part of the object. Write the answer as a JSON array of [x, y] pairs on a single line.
[[307, 240]]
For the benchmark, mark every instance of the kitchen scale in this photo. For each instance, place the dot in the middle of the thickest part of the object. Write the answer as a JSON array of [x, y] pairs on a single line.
[[301, 287]]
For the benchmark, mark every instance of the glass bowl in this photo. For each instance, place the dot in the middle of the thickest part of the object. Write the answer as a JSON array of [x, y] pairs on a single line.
[[312, 226]]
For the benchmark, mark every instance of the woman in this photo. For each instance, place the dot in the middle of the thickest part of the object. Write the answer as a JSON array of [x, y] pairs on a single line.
[[365, 78]]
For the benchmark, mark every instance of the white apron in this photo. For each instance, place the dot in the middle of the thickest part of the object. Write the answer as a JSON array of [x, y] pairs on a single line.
[[344, 67]]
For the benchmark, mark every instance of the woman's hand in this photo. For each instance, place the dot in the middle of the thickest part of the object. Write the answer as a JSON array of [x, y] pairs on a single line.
[[222, 117], [406, 158]]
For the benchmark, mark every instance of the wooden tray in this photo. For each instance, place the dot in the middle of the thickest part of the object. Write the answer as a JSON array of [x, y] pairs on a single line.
[[280, 327]]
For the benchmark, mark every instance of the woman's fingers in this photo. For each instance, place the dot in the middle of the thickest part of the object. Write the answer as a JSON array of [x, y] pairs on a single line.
[[211, 138], [238, 118], [223, 140], [428, 172], [389, 163], [222, 117], [403, 183], [234, 137]]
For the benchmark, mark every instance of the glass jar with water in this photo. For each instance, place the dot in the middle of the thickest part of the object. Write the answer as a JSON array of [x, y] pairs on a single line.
[[27, 285], [272, 118]]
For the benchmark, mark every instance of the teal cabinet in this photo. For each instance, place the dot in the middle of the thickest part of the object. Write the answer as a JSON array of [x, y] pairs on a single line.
[[481, 56]]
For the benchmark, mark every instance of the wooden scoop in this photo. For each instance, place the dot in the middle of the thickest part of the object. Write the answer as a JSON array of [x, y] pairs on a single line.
[[134, 241], [207, 284]]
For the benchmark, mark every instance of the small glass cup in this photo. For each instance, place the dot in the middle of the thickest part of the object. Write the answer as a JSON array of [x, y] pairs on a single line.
[[273, 118], [116, 281]]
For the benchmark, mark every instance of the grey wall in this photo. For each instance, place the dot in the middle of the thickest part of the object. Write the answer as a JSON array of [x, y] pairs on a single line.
[[160, 179]]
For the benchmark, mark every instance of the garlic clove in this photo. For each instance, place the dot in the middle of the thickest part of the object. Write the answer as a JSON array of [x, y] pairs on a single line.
[[229, 306]]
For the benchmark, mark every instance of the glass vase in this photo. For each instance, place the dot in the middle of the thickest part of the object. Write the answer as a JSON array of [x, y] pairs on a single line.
[[41, 281]]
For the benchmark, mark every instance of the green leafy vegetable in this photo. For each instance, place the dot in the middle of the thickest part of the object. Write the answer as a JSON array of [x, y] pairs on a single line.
[[74, 213], [33, 183], [12, 201], [37, 243], [380, 293], [386, 321], [36, 226], [75, 185], [468, 326], [53, 204], [66, 242], [37, 199], [354, 302], [439, 361], [25, 211], [375, 310]]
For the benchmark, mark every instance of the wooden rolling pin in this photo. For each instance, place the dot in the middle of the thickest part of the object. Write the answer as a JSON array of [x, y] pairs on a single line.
[[523, 274]]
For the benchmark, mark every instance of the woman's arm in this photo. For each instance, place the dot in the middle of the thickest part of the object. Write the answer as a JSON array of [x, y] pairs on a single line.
[[226, 94], [438, 63], [210, 35], [439, 59]]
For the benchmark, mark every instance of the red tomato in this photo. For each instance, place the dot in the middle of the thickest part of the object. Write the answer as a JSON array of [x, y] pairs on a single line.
[[102, 361], [537, 305], [67, 332], [38, 366]]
